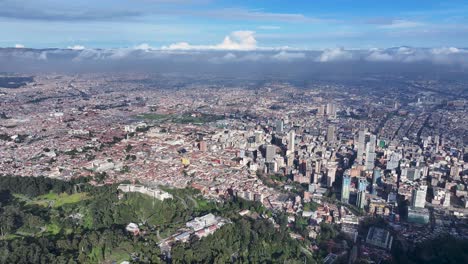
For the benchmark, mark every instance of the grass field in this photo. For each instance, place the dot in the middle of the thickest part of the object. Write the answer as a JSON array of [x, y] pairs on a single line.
[[182, 119], [57, 200]]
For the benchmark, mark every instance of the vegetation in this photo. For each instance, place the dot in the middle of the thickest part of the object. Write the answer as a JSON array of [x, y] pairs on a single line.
[[44, 220], [244, 241], [182, 119]]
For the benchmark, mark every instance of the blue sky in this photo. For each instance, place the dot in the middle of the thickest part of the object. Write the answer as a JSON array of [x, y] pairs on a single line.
[[302, 24]]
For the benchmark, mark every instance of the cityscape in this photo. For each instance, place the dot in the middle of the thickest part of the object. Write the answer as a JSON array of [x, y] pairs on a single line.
[[232, 153]]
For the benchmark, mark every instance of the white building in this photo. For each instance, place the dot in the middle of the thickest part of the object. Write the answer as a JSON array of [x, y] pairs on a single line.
[[419, 197], [153, 192]]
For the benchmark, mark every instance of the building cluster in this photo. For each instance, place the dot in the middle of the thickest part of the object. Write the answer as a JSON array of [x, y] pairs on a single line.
[[396, 151]]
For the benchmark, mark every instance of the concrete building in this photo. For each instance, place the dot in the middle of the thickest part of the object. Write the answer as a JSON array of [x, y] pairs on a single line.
[[419, 197]]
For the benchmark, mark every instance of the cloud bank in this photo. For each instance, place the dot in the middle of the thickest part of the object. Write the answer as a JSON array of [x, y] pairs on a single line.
[[238, 47], [237, 40]]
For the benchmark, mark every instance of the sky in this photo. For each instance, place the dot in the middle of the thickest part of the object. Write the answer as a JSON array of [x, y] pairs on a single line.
[[233, 25]]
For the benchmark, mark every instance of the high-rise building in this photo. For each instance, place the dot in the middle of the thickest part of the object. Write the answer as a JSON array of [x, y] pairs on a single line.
[[376, 176], [361, 199], [291, 137], [331, 173], [419, 197], [361, 145], [279, 126], [345, 189], [362, 184], [393, 161], [331, 110], [321, 110], [331, 133], [370, 153], [258, 136], [270, 153]]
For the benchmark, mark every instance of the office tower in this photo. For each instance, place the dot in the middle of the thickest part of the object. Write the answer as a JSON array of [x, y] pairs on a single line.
[[291, 137], [376, 179], [362, 184], [331, 173], [290, 160], [413, 173], [331, 133], [370, 153], [361, 144], [376, 176], [270, 153], [279, 126], [393, 161], [258, 136], [419, 197], [361, 199], [321, 110], [345, 189], [318, 166], [331, 110], [371, 143], [370, 161]]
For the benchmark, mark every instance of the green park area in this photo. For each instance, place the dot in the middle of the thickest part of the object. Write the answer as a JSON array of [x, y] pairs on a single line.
[[181, 119], [43, 220]]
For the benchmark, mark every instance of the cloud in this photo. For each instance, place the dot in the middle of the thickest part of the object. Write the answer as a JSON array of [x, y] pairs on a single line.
[[447, 51], [76, 47], [400, 24], [19, 46], [143, 46], [379, 55], [269, 27], [237, 40], [62, 11], [215, 54], [287, 56], [258, 15], [337, 54]]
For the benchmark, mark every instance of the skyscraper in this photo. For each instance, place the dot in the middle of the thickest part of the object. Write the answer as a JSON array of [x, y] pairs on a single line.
[[393, 161], [370, 153], [361, 199], [331, 133], [345, 189], [279, 126], [331, 173], [270, 153], [331, 110], [362, 184], [419, 197], [361, 145], [291, 137]]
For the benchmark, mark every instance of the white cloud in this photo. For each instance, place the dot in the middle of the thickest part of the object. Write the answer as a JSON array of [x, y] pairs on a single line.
[[143, 46], [76, 47], [378, 55], [287, 56], [237, 40], [447, 51], [269, 27], [19, 46], [337, 54], [396, 24], [229, 56]]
